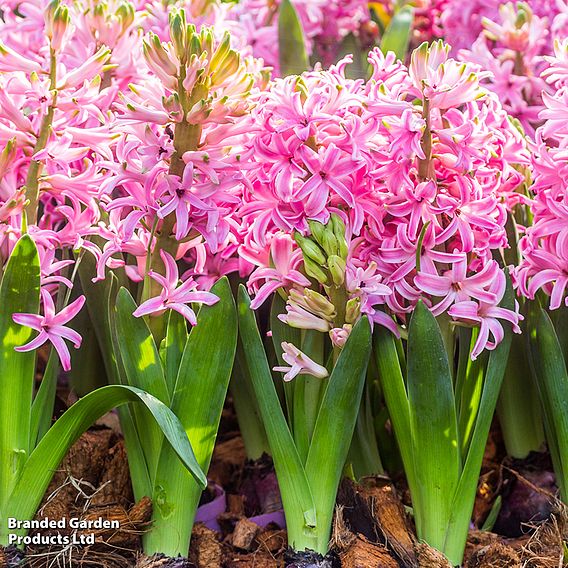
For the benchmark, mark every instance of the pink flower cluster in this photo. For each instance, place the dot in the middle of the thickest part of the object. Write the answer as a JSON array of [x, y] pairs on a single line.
[[90, 103], [544, 247], [423, 188], [151, 138]]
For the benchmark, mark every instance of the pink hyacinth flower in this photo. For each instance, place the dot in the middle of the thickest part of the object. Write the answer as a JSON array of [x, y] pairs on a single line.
[[487, 315], [300, 364], [172, 296], [51, 327], [284, 273]]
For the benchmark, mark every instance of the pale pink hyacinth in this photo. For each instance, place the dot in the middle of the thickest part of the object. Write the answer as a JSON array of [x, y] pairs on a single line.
[[51, 327], [299, 364], [173, 296]]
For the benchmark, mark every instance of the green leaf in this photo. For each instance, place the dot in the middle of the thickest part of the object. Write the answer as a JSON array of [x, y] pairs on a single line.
[[433, 425], [174, 344], [47, 456], [397, 35], [42, 407], [284, 333], [359, 69], [246, 407], [100, 299], [143, 369], [291, 45], [335, 425], [19, 293], [551, 376], [394, 390], [294, 488], [201, 389], [464, 497]]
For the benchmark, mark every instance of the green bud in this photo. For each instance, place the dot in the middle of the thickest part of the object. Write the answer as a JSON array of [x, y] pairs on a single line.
[[177, 33], [318, 303], [310, 249], [352, 310], [330, 244], [126, 13], [314, 270], [336, 267], [317, 229], [221, 52], [339, 231]]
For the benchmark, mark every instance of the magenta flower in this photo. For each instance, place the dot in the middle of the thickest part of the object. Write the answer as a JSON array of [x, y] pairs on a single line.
[[172, 296], [455, 285], [300, 364], [51, 327], [487, 316], [284, 273]]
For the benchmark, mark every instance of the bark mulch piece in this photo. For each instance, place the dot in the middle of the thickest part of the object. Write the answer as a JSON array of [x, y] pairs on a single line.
[[364, 554], [93, 481], [206, 548], [373, 512]]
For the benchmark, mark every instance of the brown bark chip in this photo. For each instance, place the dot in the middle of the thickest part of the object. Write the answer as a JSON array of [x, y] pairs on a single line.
[[429, 557], [496, 555], [206, 550], [363, 554], [244, 534], [391, 519]]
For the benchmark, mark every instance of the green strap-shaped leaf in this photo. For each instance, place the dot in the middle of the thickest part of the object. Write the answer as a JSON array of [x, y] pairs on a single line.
[[464, 497], [143, 369], [19, 293], [335, 424], [397, 35], [103, 294], [284, 333], [42, 408], [47, 456], [291, 44], [551, 376], [359, 69], [174, 344], [433, 425], [246, 407], [201, 389], [294, 488]]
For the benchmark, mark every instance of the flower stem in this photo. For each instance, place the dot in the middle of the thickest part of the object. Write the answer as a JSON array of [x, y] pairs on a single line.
[[32, 178], [425, 165]]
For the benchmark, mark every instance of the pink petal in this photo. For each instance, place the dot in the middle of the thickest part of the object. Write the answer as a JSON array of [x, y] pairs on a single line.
[[150, 306]]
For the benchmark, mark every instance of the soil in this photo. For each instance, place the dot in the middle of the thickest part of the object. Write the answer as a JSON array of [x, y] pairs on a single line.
[[372, 528]]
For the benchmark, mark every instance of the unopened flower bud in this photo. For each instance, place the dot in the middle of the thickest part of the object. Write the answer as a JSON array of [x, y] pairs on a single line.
[[317, 229], [329, 242], [126, 13], [352, 310], [339, 335], [524, 14], [314, 270], [336, 267], [178, 28], [56, 23], [319, 303], [310, 249]]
